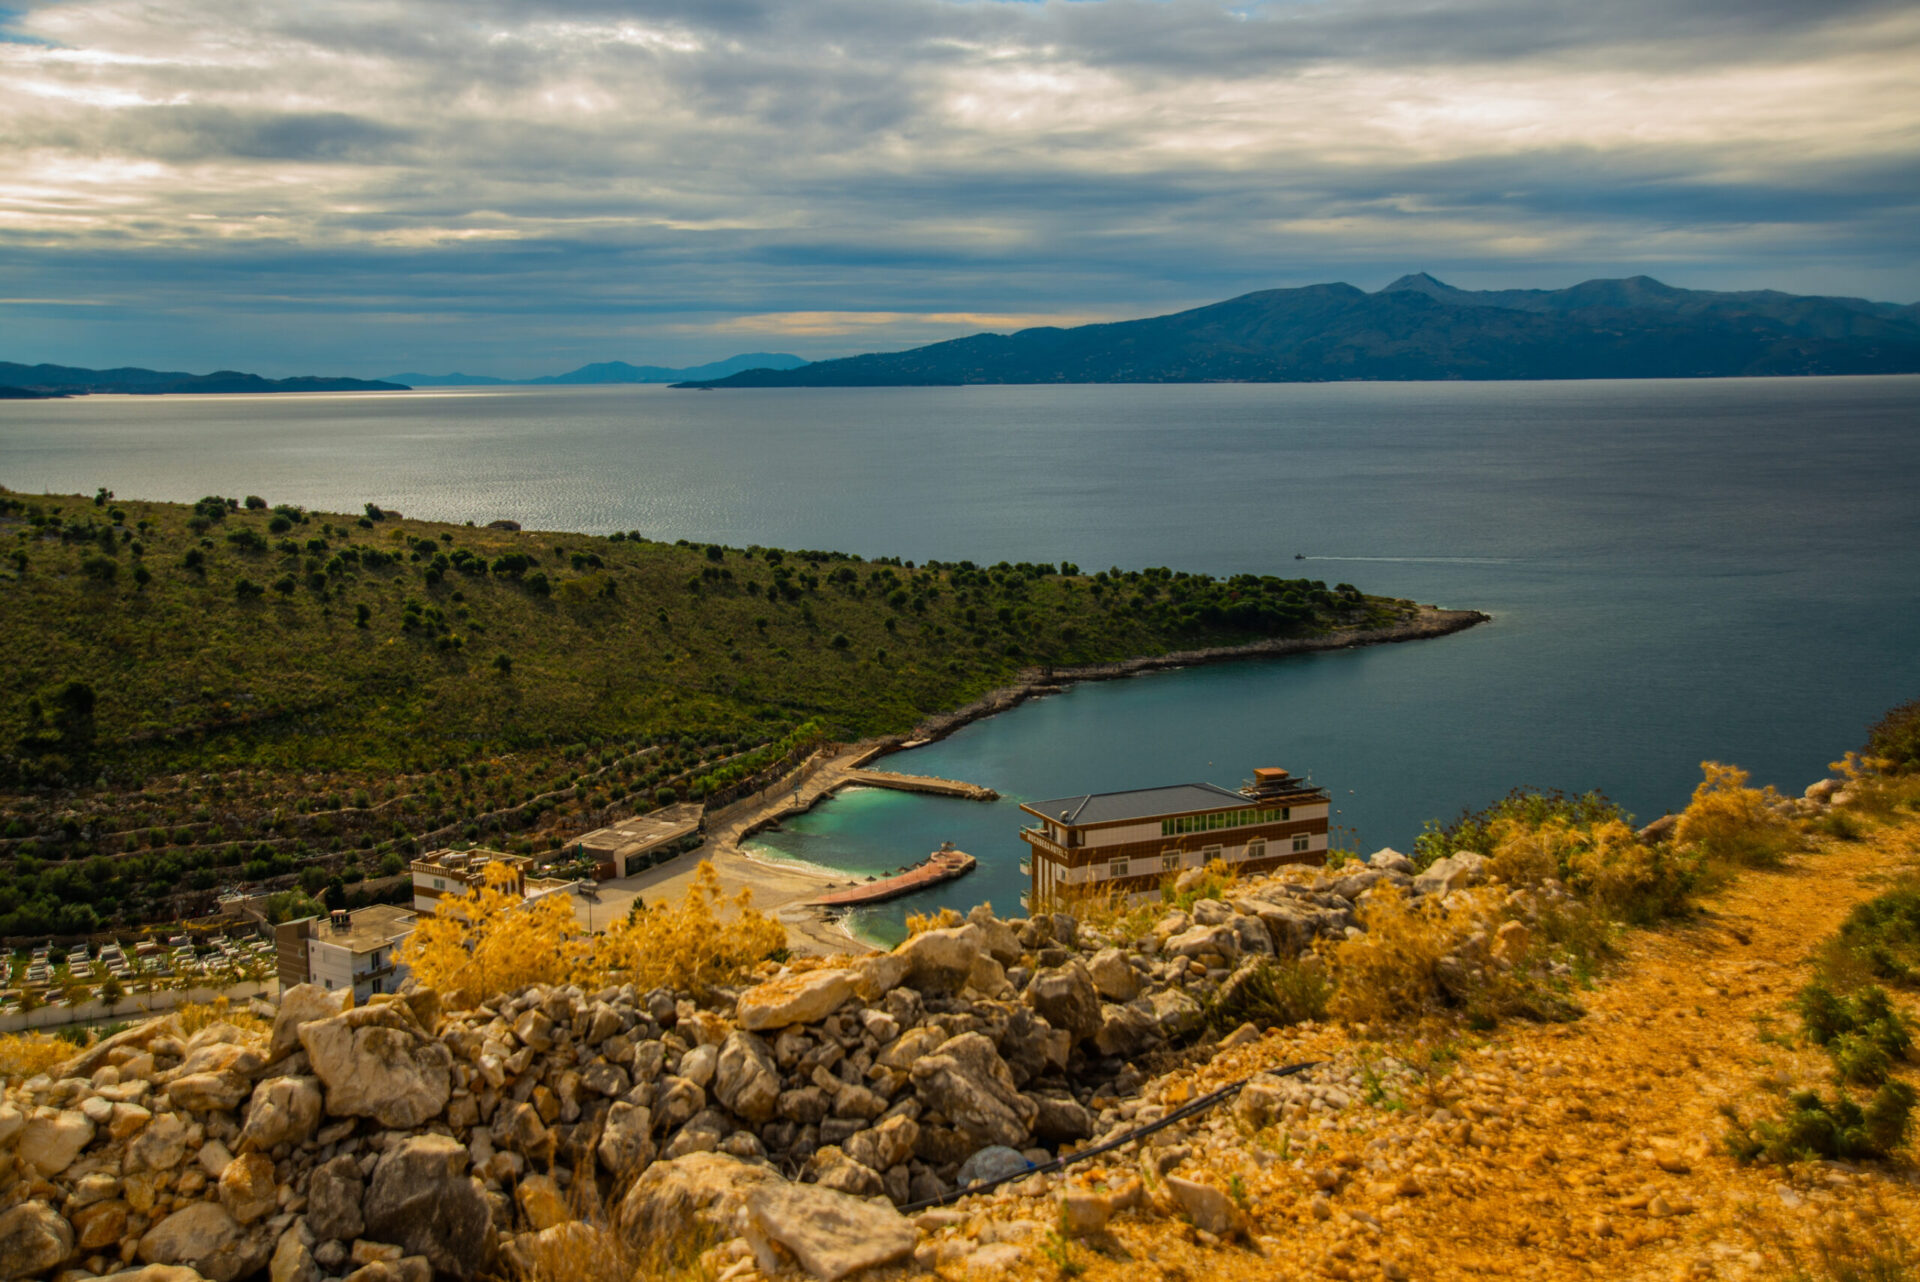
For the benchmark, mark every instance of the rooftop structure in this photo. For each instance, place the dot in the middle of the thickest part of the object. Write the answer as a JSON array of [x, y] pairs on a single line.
[[1129, 842], [629, 845], [345, 950]]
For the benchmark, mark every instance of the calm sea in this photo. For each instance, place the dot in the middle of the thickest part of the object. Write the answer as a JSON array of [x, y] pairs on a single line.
[[1677, 570]]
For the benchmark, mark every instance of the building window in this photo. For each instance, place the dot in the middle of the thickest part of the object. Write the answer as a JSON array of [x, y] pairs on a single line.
[[329, 983], [1170, 863], [1257, 848], [1118, 868], [1299, 843], [439, 883], [1209, 853]]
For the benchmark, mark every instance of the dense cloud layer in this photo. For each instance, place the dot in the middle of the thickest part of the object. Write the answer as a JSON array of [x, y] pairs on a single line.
[[368, 185]]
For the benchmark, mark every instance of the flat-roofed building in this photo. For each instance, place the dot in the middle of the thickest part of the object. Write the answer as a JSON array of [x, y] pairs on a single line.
[[344, 949], [1128, 842], [630, 845], [443, 874]]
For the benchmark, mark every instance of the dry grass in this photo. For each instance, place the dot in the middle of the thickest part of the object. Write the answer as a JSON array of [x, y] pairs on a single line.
[[1392, 971], [195, 1016], [24, 1055]]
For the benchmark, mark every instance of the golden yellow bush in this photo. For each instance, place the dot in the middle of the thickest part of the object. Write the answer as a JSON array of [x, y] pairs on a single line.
[[921, 923], [492, 941], [24, 1055], [1728, 822], [1391, 971], [1603, 862], [195, 1016], [689, 945]]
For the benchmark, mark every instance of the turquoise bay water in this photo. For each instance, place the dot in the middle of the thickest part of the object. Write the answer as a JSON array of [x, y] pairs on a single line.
[[1677, 570]]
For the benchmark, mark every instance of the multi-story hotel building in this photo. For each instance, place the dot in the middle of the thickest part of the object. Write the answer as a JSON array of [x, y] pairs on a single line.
[[1128, 842]]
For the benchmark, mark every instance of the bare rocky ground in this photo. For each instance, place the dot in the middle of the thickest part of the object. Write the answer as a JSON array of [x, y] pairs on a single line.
[[559, 1132]]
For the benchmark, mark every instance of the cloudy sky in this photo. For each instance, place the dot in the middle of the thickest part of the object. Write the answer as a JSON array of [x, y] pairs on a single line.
[[368, 186]]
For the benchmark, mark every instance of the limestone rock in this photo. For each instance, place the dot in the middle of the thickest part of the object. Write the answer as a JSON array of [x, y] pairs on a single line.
[[830, 1234], [1081, 1212], [1176, 1014], [1058, 1119], [1113, 977], [746, 1080], [99, 1226], [1219, 937], [247, 1188], [710, 1188], [541, 1202], [209, 1092], [1210, 1210], [421, 1198], [1065, 997], [285, 1110], [626, 1140], [334, 1193], [33, 1238], [376, 1064], [52, 1139], [1452, 873], [833, 1169], [966, 1079], [795, 999], [939, 961], [1126, 1031], [1389, 860], [161, 1147], [292, 1260], [205, 1237], [888, 1144]]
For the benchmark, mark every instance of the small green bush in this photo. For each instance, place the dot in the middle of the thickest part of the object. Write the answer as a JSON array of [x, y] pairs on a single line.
[[1895, 739], [1271, 995], [1833, 1127]]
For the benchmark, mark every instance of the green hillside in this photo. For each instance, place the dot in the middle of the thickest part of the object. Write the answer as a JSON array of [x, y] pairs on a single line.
[[226, 693]]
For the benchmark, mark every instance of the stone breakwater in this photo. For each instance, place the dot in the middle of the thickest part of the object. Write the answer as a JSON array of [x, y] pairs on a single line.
[[402, 1141]]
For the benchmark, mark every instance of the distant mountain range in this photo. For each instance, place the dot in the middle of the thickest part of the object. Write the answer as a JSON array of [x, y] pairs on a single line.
[[614, 372], [67, 380], [1415, 328]]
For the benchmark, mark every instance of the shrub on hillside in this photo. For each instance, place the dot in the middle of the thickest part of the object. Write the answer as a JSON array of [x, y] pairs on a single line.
[[1895, 739], [1603, 862], [1478, 830], [1728, 822]]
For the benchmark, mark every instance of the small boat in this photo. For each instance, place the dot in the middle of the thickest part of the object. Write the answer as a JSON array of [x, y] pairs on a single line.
[[1299, 556]]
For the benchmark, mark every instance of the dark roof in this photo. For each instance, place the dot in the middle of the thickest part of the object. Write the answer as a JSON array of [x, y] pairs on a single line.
[[1141, 803]]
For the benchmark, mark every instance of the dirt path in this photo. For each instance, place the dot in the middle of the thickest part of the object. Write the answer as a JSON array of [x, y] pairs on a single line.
[[1583, 1150]]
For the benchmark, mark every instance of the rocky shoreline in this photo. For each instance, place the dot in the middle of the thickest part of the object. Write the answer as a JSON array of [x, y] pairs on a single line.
[[1431, 623]]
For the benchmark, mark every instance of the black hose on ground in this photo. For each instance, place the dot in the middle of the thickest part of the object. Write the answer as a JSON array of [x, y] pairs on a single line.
[[1185, 1111]]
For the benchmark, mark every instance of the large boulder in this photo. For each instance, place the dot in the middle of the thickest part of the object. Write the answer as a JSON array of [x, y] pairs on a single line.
[[421, 1198], [886, 1145], [375, 1063], [160, 1147], [1127, 1031], [33, 1238], [285, 1110], [1219, 938], [334, 1193], [1115, 979], [52, 1138], [1065, 997], [831, 1234], [745, 1079], [806, 998], [940, 961], [705, 1189], [626, 1141], [1176, 1014], [966, 1080], [1452, 873], [247, 1188], [205, 1237], [218, 1092]]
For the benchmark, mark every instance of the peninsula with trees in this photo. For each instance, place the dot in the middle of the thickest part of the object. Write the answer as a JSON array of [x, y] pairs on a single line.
[[242, 694]]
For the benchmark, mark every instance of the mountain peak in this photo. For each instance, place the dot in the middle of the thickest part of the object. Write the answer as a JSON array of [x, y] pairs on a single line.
[[1419, 282]]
